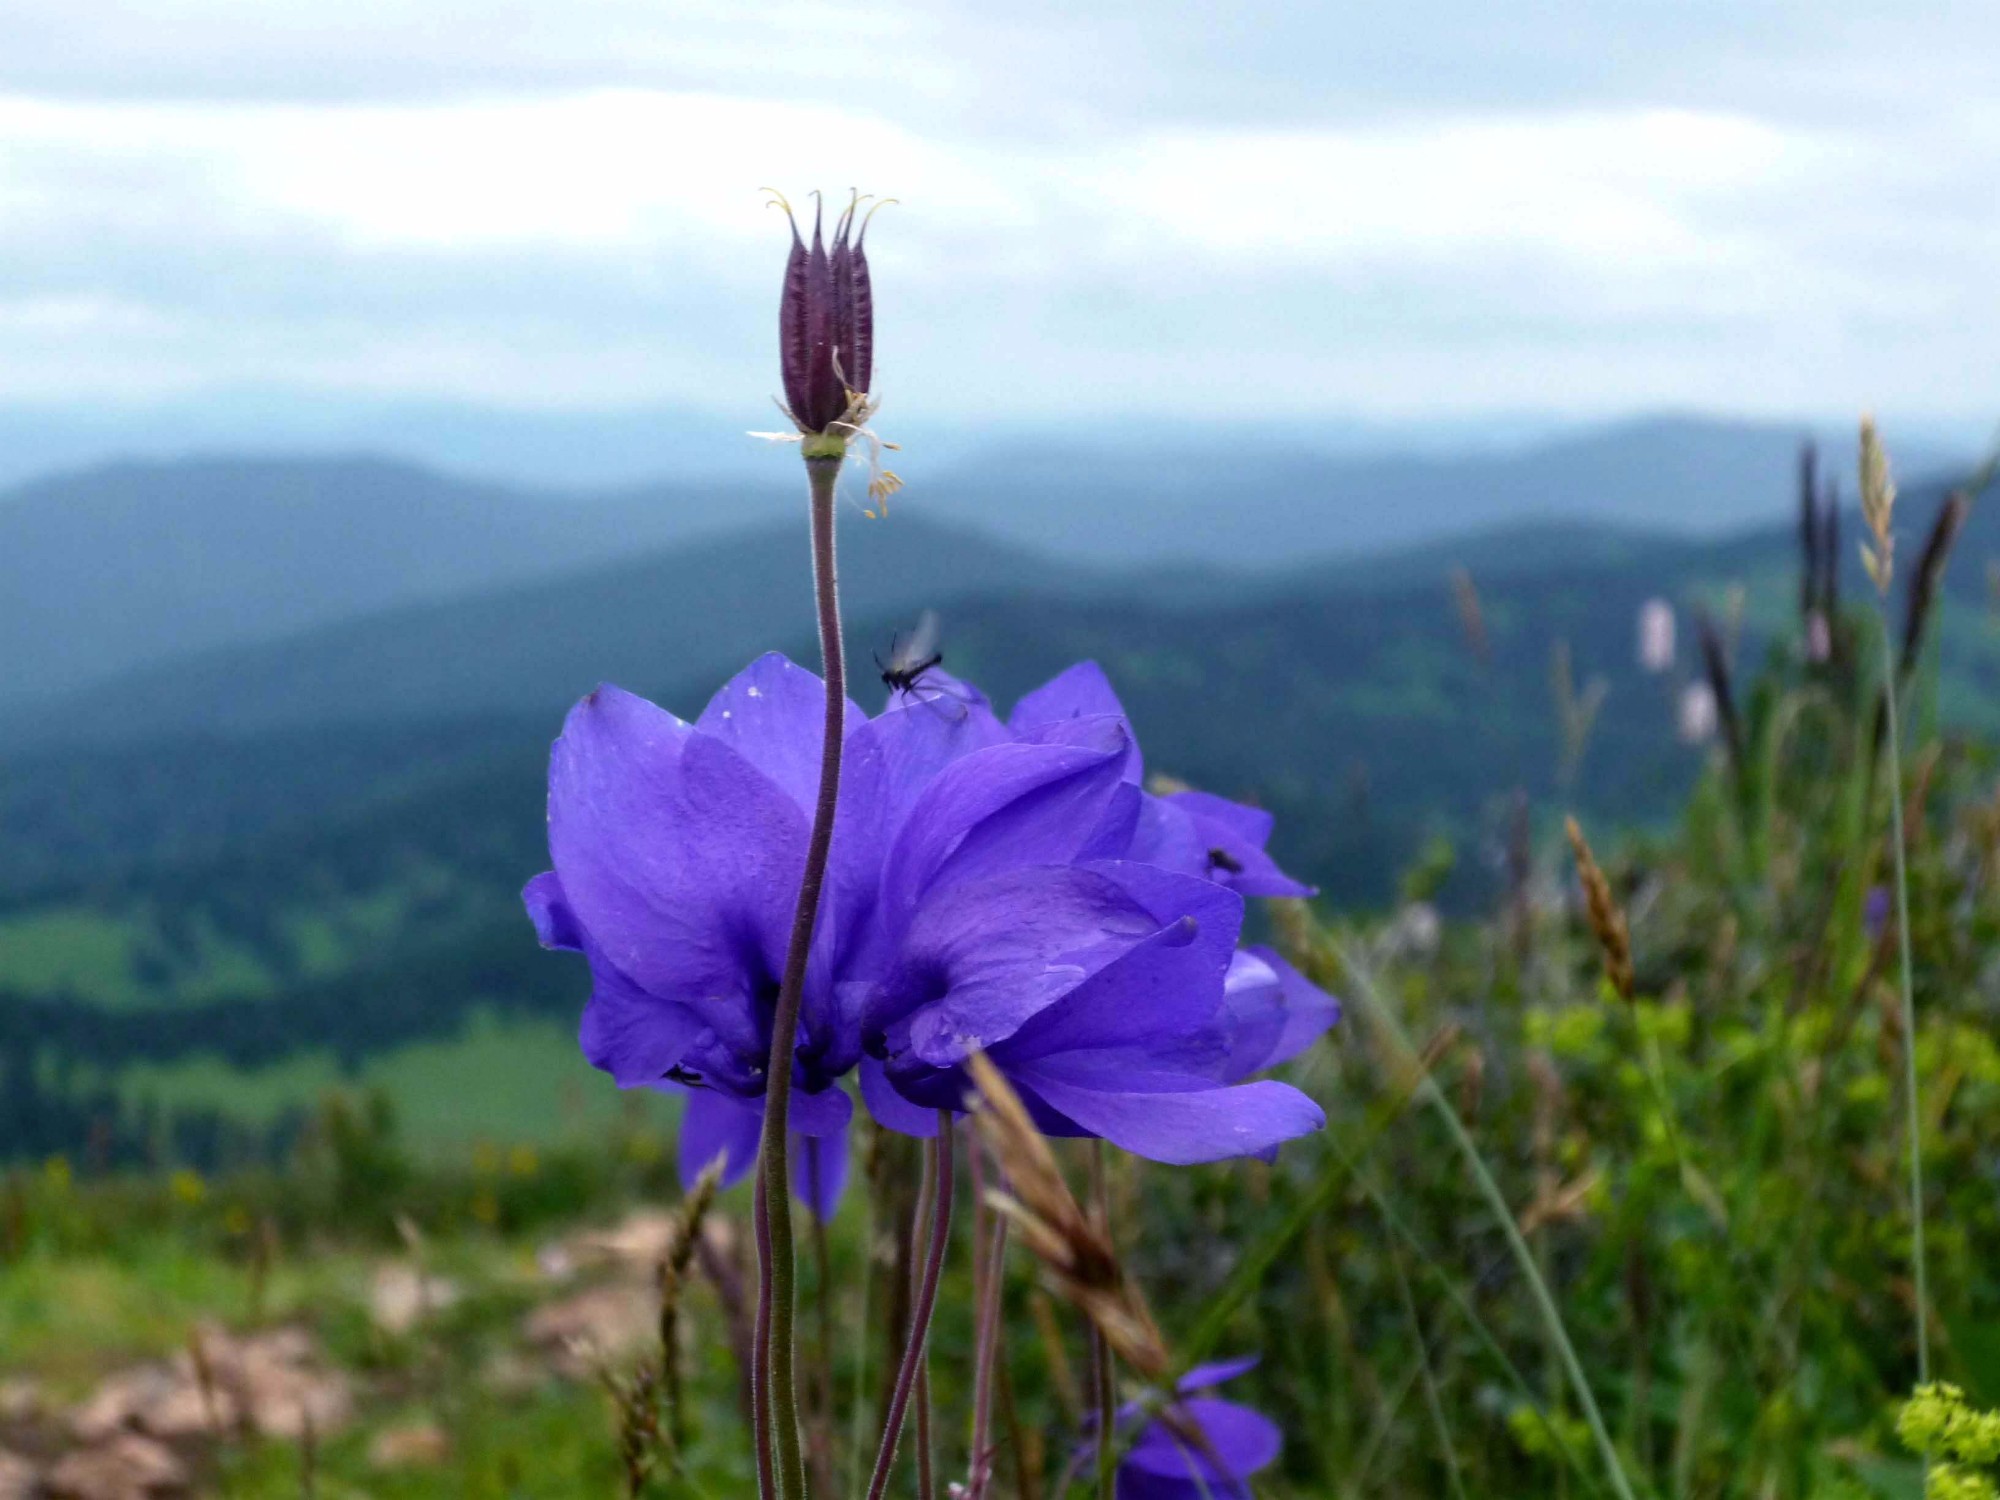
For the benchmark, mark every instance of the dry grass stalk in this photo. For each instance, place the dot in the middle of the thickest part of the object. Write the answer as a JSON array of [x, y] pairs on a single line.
[[1607, 920], [1557, 1203], [1722, 683], [1073, 1249], [1576, 712], [1924, 586], [1878, 508], [1809, 528], [1062, 1377], [1471, 617], [673, 1278]]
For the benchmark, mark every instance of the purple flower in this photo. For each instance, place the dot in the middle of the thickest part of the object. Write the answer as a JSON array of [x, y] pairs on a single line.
[[981, 894], [1099, 990], [716, 1126], [826, 325], [1195, 832], [1162, 1464], [1875, 910], [1275, 1012]]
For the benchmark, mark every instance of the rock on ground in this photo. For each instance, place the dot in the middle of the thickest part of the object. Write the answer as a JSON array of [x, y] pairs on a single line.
[[401, 1297], [128, 1467], [581, 1333], [274, 1382], [420, 1446], [18, 1480]]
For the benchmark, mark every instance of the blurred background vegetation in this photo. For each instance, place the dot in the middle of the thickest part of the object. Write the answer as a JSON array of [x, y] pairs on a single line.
[[274, 1030]]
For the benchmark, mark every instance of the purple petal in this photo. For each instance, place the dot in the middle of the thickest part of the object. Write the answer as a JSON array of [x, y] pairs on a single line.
[[634, 1035], [716, 1125], [1078, 692], [1234, 837], [555, 924], [1277, 1012], [1180, 1128], [825, 399], [983, 957], [1243, 1441], [890, 1109], [772, 714], [794, 345], [892, 759], [678, 858], [1157, 997], [1081, 692], [819, 1113], [861, 302], [997, 809], [1165, 835], [1215, 1372], [819, 1171]]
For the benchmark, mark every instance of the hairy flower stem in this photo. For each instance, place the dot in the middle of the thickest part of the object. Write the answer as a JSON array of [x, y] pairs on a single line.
[[760, 1385], [777, 1372], [1914, 1124], [926, 1452], [986, 1345], [915, 1348], [823, 1394], [1100, 1351]]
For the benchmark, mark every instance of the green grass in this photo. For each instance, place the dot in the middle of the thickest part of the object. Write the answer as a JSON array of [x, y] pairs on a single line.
[[504, 1081], [70, 950], [511, 1080]]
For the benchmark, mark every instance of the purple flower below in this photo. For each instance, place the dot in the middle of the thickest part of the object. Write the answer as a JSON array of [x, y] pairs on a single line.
[[1164, 1464]]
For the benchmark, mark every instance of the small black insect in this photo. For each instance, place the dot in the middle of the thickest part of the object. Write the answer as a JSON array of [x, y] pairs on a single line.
[[910, 661], [1222, 859]]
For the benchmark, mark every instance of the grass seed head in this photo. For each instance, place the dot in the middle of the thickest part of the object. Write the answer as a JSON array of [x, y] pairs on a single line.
[[1607, 920], [1077, 1254], [1878, 508]]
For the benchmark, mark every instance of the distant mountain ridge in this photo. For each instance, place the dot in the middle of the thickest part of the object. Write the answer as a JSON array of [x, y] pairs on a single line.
[[681, 614], [133, 563], [129, 566]]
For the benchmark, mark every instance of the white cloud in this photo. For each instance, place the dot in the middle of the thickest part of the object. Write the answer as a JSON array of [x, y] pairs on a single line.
[[559, 207]]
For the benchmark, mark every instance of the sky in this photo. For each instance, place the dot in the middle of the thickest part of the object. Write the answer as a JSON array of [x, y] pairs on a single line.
[[1436, 211]]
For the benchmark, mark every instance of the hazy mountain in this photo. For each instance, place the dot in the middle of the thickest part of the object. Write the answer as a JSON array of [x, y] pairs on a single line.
[[138, 562], [689, 613], [1189, 497], [116, 568]]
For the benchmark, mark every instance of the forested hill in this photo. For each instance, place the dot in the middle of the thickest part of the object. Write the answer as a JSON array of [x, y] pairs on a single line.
[[134, 564], [303, 890]]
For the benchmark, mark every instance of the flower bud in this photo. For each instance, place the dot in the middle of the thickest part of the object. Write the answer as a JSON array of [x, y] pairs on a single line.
[[826, 328]]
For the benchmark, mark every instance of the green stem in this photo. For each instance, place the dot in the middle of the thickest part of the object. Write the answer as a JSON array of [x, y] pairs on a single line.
[[777, 1290], [1438, 1423], [1100, 1351], [913, 1368], [1914, 1124], [856, 1429], [1496, 1201]]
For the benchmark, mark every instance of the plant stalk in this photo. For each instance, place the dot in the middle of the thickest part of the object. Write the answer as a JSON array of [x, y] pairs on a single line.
[[1100, 1350], [1914, 1125], [986, 1346], [777, 1290], [917, 1345], [760, 1343]]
